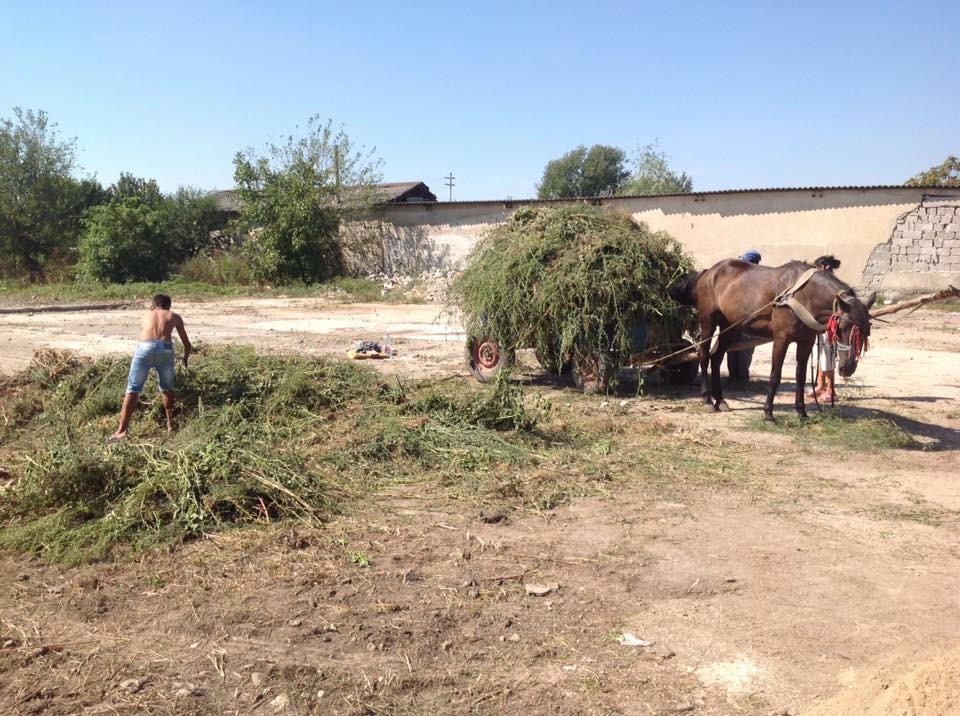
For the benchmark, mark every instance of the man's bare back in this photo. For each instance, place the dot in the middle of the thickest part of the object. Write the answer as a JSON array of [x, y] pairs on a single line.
[[157, 324]]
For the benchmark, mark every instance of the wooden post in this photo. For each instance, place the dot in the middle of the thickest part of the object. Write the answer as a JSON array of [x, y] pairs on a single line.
[[949, 292], [336, 171]]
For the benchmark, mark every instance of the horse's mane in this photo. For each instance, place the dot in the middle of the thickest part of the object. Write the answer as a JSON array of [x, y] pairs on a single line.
[[858, 311], [682, 293]]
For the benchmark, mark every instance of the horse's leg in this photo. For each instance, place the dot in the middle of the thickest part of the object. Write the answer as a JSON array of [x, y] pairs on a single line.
[[803, 355], [706, 334], [776, 371], [716, 364]]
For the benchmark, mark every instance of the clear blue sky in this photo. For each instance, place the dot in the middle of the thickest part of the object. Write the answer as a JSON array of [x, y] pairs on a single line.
[[739, 94]]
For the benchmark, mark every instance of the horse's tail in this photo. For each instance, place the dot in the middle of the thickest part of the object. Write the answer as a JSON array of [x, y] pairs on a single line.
[[684, 292]]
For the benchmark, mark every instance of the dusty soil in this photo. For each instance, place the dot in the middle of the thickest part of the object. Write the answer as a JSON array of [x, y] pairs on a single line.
[[797, 579], [426, 341]]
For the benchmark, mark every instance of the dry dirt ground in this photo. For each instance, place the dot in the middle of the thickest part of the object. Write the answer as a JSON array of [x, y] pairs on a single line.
[[811, 577]]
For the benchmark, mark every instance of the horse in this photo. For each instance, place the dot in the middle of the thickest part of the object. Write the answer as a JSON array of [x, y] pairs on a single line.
[[788, 304]]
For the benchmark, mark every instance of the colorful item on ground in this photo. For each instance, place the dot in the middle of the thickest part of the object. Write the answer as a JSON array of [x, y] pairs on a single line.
[[368, 349]]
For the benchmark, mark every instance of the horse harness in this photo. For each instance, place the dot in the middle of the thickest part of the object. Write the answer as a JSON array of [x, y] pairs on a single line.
[[832, 326]]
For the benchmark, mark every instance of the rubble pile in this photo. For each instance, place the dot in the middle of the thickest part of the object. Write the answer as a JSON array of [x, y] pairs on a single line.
[[431, 286]]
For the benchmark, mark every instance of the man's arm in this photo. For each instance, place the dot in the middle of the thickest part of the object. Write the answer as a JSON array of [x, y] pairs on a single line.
[[182, 332]]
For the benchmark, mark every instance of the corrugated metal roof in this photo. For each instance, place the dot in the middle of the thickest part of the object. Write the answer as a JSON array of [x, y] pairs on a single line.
[[695, 193], [414, 192]]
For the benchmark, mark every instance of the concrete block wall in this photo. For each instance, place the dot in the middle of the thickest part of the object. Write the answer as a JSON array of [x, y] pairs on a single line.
[[923, 250]]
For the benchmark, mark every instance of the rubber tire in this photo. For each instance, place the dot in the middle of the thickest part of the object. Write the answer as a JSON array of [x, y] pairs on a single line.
[[683, 373], [485, 358], [595, 378]]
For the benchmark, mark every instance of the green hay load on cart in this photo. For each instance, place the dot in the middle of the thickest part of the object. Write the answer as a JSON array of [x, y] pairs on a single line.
[[573, 282]]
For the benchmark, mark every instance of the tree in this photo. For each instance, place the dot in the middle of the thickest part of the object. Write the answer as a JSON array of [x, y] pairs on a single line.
[[946, 174], [145, 191], [294, 196], [140, 234], [652, 175], [597, 171], [189, 216], [40, 202], [123, 241]]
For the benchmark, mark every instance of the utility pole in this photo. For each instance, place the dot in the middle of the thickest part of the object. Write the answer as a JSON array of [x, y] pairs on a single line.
[[336, 171], [450, 184]]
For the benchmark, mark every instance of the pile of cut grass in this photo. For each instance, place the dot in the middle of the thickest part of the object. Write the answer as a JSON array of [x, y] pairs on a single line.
[[261, 438], [572, 282]]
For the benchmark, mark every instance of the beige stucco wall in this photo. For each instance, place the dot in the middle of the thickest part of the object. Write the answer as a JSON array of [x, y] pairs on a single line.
[[781, 224]]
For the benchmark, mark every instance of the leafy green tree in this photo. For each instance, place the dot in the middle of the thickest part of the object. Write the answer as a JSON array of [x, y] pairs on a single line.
[[597, 171], [652, 175], [945, 174], [141, 235], [189, 216], [123, 241], [41, 203], [145, 191], [293, 202]]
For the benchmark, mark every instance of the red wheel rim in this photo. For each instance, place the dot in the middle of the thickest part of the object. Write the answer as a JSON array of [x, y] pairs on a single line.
[[486, 354]]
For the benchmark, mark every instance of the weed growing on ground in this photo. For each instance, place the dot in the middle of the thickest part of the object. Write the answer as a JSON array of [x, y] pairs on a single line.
[[951, 306], [829, 427], [182, 289], [926, 514]]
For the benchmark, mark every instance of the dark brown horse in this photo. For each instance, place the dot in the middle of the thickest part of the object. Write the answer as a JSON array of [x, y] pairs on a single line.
[[752, 299]]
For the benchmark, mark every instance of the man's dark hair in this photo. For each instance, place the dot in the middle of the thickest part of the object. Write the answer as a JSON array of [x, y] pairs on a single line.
[[161, 300], [829, 262]]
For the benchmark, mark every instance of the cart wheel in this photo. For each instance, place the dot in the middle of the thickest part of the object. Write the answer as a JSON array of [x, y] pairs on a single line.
[[485, 358], [683, 373], [594, 374]]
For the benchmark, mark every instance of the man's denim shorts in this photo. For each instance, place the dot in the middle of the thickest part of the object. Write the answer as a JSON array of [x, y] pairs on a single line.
[[151, 354]]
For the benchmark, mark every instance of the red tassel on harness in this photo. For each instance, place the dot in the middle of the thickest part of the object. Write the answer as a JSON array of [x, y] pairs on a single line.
[[856, 341], [833, 328]]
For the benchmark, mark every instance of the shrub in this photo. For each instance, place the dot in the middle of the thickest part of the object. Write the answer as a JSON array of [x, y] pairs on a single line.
[[124, 241], [217, 268], [140, 235]]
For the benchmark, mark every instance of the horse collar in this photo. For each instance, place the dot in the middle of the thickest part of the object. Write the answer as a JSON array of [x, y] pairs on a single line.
[[786, 299]]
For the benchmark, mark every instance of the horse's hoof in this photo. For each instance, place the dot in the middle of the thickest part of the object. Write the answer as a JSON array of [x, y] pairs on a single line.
[[768, 418], [723, 407], [709, 408]]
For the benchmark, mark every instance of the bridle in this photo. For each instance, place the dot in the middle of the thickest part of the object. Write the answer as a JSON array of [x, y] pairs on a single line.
[[858, 343]]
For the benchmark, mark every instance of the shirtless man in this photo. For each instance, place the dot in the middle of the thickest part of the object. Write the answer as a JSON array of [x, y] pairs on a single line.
[[154, 351]]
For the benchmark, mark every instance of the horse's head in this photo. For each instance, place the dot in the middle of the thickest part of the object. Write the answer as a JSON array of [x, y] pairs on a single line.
[[851, 330]]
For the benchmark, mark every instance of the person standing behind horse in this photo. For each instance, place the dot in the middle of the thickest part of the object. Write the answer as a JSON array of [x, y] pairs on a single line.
[[738, 362], [826, 352], [155, 350]]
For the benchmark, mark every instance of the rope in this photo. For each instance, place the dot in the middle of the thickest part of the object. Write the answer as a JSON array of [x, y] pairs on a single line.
[[650, 364]]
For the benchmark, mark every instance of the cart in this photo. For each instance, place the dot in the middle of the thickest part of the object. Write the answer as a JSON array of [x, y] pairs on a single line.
[[674, 362]]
